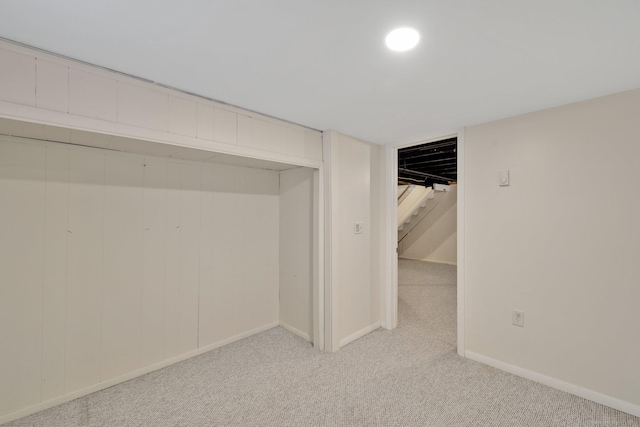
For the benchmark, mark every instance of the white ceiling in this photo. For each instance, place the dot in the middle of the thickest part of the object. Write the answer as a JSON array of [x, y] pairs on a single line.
[[323, 63]]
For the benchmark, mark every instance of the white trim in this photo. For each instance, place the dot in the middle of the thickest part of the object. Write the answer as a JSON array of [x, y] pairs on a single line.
[[435, 261], [29, 114], [460, 233], [390, 285], [319, 321], [324, 322], [74, 147], [359, 334], [295, 331], [330, 342], [585, 393], [126, 377]]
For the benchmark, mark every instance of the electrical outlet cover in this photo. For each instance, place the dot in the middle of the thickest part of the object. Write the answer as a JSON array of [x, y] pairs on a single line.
[[517, 318]]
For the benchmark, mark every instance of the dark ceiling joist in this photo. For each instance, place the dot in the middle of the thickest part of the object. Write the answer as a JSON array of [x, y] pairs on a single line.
[[423, 175], [434, 162]]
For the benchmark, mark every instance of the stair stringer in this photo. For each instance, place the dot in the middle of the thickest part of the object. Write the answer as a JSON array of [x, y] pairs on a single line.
[[411, 204], [435, 197]]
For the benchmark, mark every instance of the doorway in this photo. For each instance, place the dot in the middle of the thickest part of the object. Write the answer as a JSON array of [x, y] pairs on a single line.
[[434, 165], [149, 254]]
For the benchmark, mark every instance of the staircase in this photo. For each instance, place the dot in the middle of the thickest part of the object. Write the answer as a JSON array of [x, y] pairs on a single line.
[[414, 203]]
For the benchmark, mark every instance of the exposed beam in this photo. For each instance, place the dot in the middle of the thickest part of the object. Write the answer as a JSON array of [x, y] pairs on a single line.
[[423, 174]]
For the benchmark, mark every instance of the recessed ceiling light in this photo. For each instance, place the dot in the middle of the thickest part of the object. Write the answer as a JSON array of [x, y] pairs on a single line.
[[402, 39]]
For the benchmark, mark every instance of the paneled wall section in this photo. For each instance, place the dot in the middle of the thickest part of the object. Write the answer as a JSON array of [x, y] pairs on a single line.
[[62, 92], [111, 262]]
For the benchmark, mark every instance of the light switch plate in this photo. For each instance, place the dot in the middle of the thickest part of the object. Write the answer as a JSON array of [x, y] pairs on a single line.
[[358, 227], [503, 178]]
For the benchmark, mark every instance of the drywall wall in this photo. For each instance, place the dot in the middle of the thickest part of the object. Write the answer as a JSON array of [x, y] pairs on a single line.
[[48, 89], [354, 182], [434, 238], [561, 243], [111, 262], [296, 251]]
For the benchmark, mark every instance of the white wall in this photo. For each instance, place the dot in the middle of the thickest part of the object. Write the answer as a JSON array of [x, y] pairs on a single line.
[[354, 181], [110, 263], [296, 251], [434, 238], [561, 243]]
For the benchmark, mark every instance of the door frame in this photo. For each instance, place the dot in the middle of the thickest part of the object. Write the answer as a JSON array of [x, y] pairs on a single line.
[[321, 324], [390, 284]]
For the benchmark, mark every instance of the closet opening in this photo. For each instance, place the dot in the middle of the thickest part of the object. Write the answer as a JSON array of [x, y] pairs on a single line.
[[122, 256]]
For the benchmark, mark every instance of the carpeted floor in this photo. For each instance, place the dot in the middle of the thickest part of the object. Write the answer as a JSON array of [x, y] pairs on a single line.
[[411, 376]]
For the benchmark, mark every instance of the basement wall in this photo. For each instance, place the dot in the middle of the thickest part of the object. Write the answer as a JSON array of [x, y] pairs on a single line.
[[115, 264], [562, 243], [354, 178]]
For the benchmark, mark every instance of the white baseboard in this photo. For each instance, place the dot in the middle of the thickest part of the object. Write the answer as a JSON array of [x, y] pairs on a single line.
[[128, 376], [295, 331], [428, 260], [362, 332], [585, 393]]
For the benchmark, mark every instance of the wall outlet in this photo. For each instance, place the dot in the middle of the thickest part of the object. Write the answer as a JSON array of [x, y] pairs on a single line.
[[358, 227], [517, 318]]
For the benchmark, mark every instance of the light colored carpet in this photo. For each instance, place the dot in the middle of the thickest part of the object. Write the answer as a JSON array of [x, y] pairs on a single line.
[[412, 272], [407, 377]]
